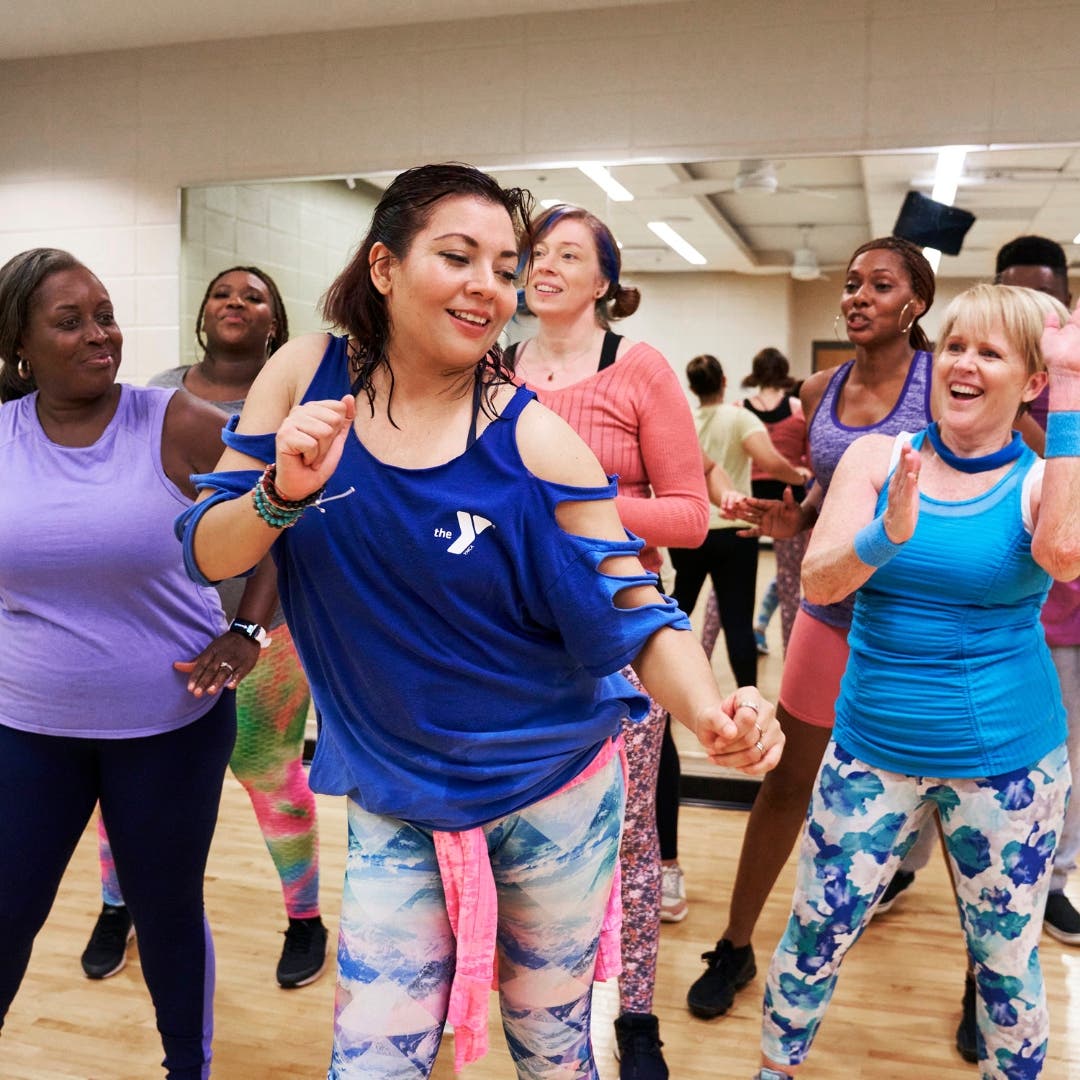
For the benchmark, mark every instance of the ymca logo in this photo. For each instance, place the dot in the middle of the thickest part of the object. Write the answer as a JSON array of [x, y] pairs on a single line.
[[470, 526]]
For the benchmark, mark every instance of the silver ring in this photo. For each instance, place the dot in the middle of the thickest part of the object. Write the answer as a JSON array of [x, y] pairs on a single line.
[[759, 746], [760, 731], [224, 664], [748, 705]]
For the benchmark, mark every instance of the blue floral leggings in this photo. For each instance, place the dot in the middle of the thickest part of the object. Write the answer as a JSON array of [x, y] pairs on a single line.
[[1000, 831]]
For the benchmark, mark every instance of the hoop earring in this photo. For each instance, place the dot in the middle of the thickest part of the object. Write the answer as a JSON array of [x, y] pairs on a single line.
[[23, 369], [836, 328], [914, 318]]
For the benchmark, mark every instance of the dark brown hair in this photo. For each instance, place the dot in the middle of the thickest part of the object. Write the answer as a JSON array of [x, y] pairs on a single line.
[[20, 278], [770, 369], [705, 375], [277, 308], [353, 303], [920, 276]]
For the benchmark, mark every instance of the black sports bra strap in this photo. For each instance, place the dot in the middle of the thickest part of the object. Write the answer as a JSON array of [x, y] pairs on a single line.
[[609, 349], [477, 393]]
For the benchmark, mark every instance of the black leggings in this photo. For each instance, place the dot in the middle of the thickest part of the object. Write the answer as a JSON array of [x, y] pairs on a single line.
[[731, 562], [159, 798]]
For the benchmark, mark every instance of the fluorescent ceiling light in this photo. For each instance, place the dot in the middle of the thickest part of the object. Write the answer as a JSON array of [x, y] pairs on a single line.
[[677, 243], [950, 167], [600, 176], [547, 204], [1076, 239]]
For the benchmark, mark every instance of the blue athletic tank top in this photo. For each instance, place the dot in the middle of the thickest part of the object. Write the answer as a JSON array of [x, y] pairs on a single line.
[[462, 649], [829, 437], [949, 673]]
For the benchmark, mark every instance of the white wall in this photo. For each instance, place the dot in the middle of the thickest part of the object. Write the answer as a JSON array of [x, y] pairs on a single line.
[[302, 234], [728, 315], [96, 147]]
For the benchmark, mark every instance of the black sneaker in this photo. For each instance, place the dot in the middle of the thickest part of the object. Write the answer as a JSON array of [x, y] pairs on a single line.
[[106, 952], [304, 955], [729, 969], [1062, 920], [637, 1046], [967, 1032], [901, 880]]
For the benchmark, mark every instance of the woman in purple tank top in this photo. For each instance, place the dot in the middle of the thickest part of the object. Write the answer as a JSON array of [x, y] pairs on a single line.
[[116, 672], [888, 287]]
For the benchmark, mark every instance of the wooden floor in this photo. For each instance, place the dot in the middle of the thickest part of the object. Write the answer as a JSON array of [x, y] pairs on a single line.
[[893, 1017], [894, 1013]]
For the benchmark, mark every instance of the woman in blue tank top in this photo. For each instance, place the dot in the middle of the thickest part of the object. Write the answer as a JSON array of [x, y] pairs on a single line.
[[462, 596], [950, 702]]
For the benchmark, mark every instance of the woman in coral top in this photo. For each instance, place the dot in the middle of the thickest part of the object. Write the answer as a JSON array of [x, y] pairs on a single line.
[[627, 403]]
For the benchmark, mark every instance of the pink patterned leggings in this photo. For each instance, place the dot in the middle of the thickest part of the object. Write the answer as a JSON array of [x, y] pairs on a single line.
[[271, 713]]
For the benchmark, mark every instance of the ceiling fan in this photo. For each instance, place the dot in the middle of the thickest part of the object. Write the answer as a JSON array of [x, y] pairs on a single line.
[[804, 260], [755, 177]]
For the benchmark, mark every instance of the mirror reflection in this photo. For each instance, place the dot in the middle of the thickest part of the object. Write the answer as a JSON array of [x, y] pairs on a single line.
[[774, 236]]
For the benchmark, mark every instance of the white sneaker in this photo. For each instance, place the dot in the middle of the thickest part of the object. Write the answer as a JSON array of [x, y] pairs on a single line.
[[673, 906]]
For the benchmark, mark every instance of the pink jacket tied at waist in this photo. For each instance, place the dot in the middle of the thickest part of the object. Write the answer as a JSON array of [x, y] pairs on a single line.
[[473, 910]]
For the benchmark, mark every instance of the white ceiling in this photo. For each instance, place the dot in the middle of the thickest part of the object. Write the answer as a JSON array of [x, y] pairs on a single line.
[[59, 27], [828, 204], [844, 199]]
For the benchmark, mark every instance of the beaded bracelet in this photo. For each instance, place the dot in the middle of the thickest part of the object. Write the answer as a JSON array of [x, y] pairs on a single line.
[[873, 546], [1062, 434], [276, 511]]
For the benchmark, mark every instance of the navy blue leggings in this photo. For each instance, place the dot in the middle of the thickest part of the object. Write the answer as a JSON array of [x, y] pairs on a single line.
[[159, 798]]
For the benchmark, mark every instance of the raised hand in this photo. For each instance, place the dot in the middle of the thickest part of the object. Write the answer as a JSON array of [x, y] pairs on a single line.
[[1061, 346], [902, 508], [309, 445]]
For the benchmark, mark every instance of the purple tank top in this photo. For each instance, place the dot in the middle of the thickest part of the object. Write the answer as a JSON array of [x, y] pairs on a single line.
[[830, 437], [94, 602]]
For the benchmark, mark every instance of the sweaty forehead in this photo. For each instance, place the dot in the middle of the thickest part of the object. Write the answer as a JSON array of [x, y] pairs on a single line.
[[879, 260], [73, 285]]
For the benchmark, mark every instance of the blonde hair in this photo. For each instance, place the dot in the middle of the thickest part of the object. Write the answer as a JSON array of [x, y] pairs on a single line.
[[1019, 313]]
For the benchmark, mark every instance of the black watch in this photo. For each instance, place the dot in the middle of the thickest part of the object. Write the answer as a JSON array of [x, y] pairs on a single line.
[[252, 631]]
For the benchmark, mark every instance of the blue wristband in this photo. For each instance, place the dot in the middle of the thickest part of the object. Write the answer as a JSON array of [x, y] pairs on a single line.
[[872, 544], [1062, 434]]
